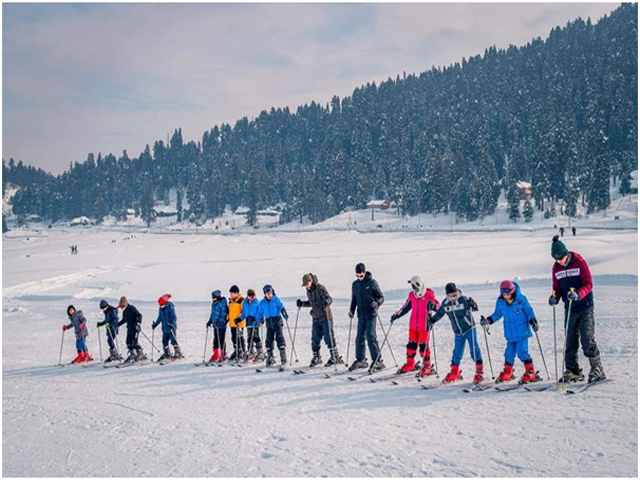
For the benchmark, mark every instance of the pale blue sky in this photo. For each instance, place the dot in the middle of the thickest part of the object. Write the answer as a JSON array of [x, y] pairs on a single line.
[[108, 77]]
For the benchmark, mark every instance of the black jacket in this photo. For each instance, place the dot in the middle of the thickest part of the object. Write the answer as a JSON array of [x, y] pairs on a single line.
[[365, 294], [319, 300], [131, 316]]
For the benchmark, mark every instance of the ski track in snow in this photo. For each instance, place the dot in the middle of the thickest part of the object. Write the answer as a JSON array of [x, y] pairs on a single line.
[[178, 420]]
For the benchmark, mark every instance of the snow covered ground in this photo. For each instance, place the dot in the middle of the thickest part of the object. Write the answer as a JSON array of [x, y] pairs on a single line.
[[178, 420]]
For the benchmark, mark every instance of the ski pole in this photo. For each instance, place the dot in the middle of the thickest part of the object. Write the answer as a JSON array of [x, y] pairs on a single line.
[[153, 331], [293, 347], [206, 340], [435, 356], [295, 330], [390, 349], [349, 340], [486, 341], [100, 344], [150, 341], [566, 334], [333, 346], [555, 346], [253, 330], [386, 336], [542, 355], [61, 343]]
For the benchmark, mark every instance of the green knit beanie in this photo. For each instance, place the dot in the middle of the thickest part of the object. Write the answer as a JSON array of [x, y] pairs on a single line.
[[558, 249]]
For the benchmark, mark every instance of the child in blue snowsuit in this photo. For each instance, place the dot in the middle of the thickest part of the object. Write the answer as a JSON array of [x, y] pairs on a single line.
[[458, 308], [272, 310], [218, 321], [79, 325], [519, 319], [111, 324], [250, 309], [167, 317]]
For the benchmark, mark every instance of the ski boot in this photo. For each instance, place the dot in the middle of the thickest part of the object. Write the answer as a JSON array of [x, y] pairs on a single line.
[[140, 356], [506, 374], [87, 357], [596, 373], [572, 375], [166, 355], [223, 356], [259, 356], [426, 369], [358, 364], [270, 360], [283, 356], [112, 356], [378, 366], [79, 358], [216, 355], [334, 359], [409, 366], [316, 360], [131, 357], [233, 356], [479, 376], [530, 374], [177, 354], [454, 375]]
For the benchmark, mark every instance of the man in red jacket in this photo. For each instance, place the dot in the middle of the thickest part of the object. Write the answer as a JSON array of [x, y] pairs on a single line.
[[572, 282]]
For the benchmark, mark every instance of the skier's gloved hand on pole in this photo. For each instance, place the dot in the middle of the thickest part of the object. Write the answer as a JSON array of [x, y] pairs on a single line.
[[374, 306], [299, 303], [209, 323], [137, 327], [485, 321], [81, 326], [98, 325], [65, 328], [284, 313], [553, 300], [351, 315], [154, 325], [472, 304], [394, 317], [534, 324], [573, 295]]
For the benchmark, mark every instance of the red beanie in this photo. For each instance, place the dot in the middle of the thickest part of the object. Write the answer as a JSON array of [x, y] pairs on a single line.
[[164, 299]]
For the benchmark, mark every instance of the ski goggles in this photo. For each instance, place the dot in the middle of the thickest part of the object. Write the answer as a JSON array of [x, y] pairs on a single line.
[[506, 290]]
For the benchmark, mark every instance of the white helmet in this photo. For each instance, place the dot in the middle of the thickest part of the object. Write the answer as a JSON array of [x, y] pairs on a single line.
[[418, 286]]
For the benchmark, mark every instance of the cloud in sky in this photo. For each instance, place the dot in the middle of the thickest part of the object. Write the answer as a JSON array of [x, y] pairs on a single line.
[[81, 78]]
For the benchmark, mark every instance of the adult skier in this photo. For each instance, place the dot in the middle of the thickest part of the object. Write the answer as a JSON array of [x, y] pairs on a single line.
[[235, 324], [79, 325], [519, 320], [133, 318], [458, 308], [319, 300], [110, 323], [572, 282], [250, 309], [167, 317], [218, 322], [272, 311], [422, 302], [367, 297]]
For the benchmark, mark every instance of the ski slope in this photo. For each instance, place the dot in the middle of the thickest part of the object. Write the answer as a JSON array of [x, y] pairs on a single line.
[[178, 420]]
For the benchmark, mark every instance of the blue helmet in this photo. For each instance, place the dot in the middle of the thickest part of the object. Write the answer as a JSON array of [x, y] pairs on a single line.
[[268, 288]]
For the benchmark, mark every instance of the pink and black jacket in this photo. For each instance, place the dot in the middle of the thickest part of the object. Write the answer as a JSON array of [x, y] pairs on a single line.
[[420, 308]]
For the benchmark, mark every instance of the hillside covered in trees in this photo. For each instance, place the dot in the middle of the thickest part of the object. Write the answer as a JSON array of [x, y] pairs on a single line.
[[559, 113]]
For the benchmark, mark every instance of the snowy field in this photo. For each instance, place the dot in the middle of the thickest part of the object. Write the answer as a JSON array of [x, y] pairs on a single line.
[[178, 420]]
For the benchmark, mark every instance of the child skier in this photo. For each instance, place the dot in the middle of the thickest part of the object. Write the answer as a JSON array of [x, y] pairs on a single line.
[[236, 326], [458, 308], [519, 319], [422, 302], [218, 321], [79, 324], [133, 318], [272, 310], [250, 309], [167, 317], [111, 326]]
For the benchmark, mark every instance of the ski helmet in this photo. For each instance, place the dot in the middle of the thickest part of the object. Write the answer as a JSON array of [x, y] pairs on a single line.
[[268, 288], [507, 286], [103, 304], [418, 286], [216, 294], [164, 299], [234, 289]]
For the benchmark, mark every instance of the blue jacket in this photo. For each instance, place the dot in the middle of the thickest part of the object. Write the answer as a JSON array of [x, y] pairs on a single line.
[[167, 316], [516, 316], [111, 317], [459, 313], [271, 308], [250, 312], [219, 310]]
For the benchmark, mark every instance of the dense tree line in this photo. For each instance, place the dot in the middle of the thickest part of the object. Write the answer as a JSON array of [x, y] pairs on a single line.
[[559, 113]]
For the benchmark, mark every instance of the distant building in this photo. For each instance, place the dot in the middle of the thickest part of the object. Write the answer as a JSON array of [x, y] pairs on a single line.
[[242, 211], [165, 211], [378, 204], [80, 221], [523, 190], [267, 212]]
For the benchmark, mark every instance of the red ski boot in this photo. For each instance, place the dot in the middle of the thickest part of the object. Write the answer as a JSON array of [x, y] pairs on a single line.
[[426, 369], [454, 375], [216, 355], [223, 356], [506, 374], [79, 358], [87, 357], [479, 374], [530, 374], [410, 366]]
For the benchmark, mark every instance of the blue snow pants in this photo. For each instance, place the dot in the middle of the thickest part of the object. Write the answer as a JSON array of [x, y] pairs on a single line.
[[460, 342], [521, 348]]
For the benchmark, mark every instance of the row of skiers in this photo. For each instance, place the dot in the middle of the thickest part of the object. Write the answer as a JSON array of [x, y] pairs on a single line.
[[571, 279]]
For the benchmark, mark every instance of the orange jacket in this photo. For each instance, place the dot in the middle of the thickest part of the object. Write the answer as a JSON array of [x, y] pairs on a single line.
[[235, 310]]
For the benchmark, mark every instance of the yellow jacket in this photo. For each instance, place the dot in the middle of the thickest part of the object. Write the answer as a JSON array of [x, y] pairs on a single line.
[[235, 310]]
